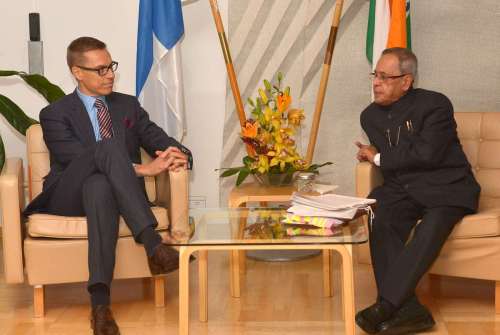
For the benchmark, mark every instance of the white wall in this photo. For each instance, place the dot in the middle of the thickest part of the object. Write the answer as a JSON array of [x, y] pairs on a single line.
[[115, 22]]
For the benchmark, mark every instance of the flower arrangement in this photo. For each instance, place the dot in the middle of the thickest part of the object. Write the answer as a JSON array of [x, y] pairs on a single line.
[[269, 137]]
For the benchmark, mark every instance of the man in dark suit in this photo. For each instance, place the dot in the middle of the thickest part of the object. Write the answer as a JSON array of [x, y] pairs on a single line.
[[94, 137], [427, 177]]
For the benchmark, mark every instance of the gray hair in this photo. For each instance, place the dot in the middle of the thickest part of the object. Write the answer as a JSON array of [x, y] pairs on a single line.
[[407, 60]]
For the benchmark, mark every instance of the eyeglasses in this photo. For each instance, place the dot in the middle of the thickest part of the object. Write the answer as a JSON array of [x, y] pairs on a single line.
[[103, 70], [384, 77]]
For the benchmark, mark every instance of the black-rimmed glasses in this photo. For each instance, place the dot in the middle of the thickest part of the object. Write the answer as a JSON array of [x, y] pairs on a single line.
[[102, 70], [384, 77]]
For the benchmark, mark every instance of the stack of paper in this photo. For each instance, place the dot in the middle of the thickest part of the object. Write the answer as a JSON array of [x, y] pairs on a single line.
[[320, 215]]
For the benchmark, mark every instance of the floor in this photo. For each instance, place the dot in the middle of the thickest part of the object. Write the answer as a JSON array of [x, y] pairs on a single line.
[[277, 298]]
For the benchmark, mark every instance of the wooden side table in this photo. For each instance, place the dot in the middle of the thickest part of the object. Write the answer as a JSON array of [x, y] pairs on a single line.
[[254, 192]]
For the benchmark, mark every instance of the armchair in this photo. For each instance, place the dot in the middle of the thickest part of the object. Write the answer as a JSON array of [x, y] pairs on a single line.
[[473, 248], [51, 249]]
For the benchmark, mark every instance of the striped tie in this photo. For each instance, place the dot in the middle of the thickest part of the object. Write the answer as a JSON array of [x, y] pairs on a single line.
[[105, 125]]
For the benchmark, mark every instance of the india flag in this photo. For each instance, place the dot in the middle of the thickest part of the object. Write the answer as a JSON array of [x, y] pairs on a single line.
[[158, 70], [388, 27]]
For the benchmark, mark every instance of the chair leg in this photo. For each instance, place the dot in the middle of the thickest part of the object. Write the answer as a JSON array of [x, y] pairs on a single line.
[[497, 297], [38, 301], [159, 291]]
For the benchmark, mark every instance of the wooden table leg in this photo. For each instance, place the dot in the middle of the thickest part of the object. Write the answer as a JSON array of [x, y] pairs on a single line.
[[183, 290], [327, 273], [234, 273], [203, 284], [348, 288]]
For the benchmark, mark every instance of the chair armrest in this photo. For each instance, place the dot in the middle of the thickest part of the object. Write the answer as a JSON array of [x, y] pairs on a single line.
[[368, 176], [172, 191], [11, 204]]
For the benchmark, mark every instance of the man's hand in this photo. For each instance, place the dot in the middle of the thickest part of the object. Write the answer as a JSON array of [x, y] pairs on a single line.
[[365, 152], [171, 159]]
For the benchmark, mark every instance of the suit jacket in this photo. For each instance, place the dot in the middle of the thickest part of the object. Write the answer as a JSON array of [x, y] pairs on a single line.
[[68, 133], [420, 153]]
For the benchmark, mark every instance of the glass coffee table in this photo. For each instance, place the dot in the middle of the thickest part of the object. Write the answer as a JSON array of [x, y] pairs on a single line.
[[258, 229]]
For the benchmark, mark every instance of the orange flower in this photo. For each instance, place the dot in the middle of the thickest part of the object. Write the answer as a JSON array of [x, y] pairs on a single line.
[[284, 101], [250, 130]]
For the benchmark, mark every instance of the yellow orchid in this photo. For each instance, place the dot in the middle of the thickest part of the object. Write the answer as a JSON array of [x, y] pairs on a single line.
[[263, 164], [295, 116], [263, 96]]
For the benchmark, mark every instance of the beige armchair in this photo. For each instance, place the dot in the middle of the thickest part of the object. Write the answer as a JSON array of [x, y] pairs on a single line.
[[51, 249], [473, 248]]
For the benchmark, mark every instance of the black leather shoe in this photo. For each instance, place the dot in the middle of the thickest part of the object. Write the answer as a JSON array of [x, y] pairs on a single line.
[[102, 321], [412, 317], [370, 318], [165, 259]]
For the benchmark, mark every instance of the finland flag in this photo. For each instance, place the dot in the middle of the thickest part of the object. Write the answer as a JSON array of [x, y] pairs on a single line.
[[158, 70]]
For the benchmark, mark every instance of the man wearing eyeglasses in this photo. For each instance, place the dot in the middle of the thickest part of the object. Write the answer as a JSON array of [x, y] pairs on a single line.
[[427, 178], [94, 137]]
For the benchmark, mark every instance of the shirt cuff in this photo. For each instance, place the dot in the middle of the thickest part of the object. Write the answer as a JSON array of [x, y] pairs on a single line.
[[376, 159]]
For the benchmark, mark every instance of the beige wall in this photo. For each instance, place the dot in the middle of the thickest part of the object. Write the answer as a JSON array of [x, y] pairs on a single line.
[[457, 43]]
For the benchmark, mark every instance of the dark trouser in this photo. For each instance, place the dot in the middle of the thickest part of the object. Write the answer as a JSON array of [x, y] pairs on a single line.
[[399, 263], [101, 184]]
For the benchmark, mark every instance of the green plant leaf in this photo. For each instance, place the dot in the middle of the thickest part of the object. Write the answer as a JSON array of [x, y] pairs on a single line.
[[247, 160], [230, 172], [242, 176], [49, 91], [315, 167], [8, 73], [250, 101], [41, 84], [2, 154], [14, 115]]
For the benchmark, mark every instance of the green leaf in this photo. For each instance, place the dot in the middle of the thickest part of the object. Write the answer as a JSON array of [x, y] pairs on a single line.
[[8, 73], [242, 176], [267, 84], [250, 101], [50, 91], [14, 115], [247, 160], [315, 167], [287, 90], [41, 84], [2, 154], [230, 172]]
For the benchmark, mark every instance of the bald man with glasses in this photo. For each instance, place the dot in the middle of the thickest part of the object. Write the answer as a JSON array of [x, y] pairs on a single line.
[[427, 178], [94, 136]]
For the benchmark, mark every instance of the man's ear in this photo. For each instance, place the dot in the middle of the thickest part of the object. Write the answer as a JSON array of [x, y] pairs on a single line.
[[77, 72], [407, 82]]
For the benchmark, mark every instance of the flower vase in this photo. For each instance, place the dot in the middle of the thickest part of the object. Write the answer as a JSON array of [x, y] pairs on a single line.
[[274, 179]]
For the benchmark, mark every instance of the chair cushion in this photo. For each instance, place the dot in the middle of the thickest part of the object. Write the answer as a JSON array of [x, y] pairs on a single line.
[[55, 226], [483, 224]]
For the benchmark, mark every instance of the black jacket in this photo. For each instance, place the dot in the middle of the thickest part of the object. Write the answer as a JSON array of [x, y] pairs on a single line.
[[420, 153]]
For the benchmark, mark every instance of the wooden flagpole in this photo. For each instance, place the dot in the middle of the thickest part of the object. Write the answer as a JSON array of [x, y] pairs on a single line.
[[324, 80], [229, 62]]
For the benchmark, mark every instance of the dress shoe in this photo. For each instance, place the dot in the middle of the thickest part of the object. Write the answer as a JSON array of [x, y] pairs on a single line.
[[412, 317], [165, 259], [102, 321], [370, 318]]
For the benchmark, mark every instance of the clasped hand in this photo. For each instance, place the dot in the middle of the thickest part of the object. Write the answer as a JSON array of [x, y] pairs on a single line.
[[171, 159], [365, 152]]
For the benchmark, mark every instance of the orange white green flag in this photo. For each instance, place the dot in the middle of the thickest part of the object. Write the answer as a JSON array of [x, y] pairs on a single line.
[[388, 26]]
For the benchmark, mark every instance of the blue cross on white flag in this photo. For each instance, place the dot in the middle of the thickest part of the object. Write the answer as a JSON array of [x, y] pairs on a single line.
[[158, 70]]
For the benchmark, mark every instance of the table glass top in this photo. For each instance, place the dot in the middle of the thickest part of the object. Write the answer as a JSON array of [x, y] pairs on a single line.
[[260, 226]]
